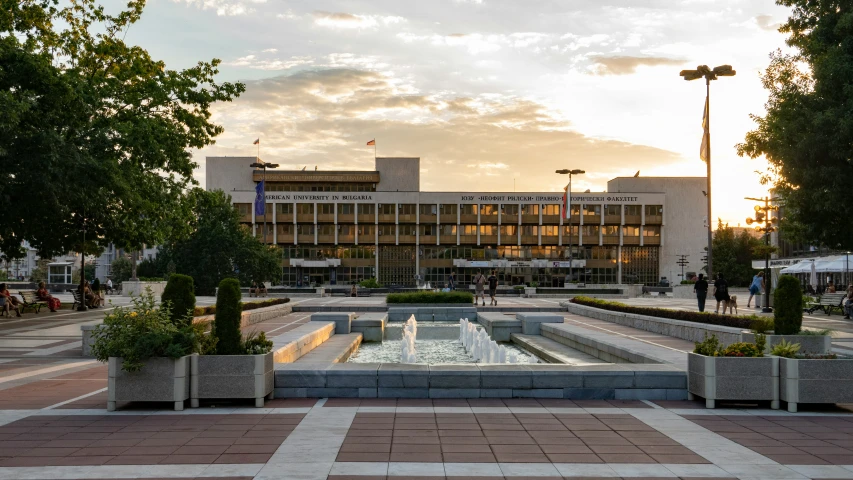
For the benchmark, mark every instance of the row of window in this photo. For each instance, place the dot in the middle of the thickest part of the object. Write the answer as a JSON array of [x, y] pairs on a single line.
[[321, 187], [486, 210], [409, 229], [505, 252]]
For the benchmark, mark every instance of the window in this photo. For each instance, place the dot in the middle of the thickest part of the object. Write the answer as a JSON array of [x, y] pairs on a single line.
[[632, 210], [305, 229], [244, 208], [326, 208], [510, 209], [509, 230], [488, 210], [407, 209], [530, 209], [651, 231], [488, 230], [614, 210], [529, 230], [469, 209], [366, 209], [448, 230], [285, 228], [549, 230], [387, 208], [570, 230], [611, 230], [326, 229], [387, 230], [630, 231], [550, 209], [428, 209], [467, 229], [305, 208], [368, 230], [591, 231], [284, 208], [407, 229], [346, 230], [346, 209], [428, 230], [654, 210], [592, 209], [447, 209]]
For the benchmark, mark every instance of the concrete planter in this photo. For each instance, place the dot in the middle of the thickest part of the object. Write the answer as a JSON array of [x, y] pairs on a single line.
[[529, 291], [733, 378], [232, 376], [815, 381], [808, 343], [162, 379], [131, 288]]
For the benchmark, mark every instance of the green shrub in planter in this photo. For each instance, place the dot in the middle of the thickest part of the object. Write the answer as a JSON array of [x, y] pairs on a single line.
[[788, 304], [430, 297], [179, 293], [141, 332], [369, 283], [704, 317], [226, 325]]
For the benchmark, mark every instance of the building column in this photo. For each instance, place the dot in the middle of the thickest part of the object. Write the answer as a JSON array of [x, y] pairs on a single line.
[[619, 264], [274, 225], [295, 233], [254, 224]]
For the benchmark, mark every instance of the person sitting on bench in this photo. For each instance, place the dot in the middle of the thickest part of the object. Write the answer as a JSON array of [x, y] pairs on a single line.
[[262, 289], [92, 300], [848, 303], [43, 296], [253, 289], [8, 302]]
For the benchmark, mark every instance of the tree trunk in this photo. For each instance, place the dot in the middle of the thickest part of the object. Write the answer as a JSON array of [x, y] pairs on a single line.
[[133, 266]]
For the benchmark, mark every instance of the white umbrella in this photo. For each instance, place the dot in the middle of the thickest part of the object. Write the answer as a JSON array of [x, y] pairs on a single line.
[[813, 277]]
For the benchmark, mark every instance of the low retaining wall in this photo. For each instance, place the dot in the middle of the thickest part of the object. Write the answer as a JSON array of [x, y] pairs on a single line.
[[131, 288], [290, 346], [695, 332], [428, 312], [499, 326], [352, 380], [257, 315]]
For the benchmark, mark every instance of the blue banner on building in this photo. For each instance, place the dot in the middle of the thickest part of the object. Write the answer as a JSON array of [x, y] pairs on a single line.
[[260, 204]]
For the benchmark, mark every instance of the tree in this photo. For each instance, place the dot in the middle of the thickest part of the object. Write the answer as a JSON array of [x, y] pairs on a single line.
[[806, 133], [788, 302], [39, 274], [179, 294], [226, 323], [219, 247], [93, 128], [120, 270], [733, 255]]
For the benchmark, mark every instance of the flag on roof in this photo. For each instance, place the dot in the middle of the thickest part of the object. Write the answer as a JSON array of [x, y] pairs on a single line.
[[257, 141], [372, 142]]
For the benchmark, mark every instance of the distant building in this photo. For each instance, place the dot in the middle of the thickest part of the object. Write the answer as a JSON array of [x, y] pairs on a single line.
[[340, 227]]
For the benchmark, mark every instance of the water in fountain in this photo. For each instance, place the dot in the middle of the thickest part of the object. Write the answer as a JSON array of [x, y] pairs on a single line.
[[410, 332], [482, 348]]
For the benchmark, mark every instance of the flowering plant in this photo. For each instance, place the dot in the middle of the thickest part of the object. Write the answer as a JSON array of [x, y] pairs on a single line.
[[142, 331]]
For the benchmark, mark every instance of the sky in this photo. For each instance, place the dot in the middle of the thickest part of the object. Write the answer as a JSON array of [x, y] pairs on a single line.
[[492, 95]]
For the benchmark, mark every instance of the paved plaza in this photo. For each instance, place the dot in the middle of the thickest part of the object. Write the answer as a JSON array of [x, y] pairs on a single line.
[[54, 424]]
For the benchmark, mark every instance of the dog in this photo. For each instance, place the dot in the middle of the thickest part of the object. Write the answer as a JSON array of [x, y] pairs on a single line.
[[732, 304]]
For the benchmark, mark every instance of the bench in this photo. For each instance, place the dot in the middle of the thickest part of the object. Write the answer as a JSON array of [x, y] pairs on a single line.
[[76, 296], [658, 290], [30, 301], [827, 302]]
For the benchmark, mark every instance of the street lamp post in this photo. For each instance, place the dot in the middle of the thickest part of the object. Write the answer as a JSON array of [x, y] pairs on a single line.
[[703, 71], [762, 217], [82, 305], [568, 213], [263, 166]]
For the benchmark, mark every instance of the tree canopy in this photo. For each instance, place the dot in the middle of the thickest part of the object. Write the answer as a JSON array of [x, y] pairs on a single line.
[[807, 131], [93, 128], [219, 247], [733, 254]]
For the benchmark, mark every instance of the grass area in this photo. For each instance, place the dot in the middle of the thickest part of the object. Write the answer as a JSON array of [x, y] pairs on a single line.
[[431, 297], [211, 309]]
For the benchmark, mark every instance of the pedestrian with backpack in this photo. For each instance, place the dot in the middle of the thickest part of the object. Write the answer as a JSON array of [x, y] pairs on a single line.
[[479, 287], [493, 287], [721, 293]]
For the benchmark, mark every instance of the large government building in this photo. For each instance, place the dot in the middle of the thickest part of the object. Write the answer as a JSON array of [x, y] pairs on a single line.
[[341, 227]]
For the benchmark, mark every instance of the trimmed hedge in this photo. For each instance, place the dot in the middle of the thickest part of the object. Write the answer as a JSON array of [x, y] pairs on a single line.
[[226, 325], [788, 306], [697, 317], [431, 297], [211, 309], [179, 293]]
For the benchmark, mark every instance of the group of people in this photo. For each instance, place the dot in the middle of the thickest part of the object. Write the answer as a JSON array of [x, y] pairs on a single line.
[[480, 282], [257, 289], [721, 292], [10, 303]]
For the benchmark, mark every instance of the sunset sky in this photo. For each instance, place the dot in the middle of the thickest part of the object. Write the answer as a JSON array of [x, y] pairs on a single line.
[[484, 91]]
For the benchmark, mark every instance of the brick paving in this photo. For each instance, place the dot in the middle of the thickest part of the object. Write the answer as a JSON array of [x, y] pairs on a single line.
[[60, 440], [484, 403], [509, 438], [432, 477], [789, 440], [46, 392]]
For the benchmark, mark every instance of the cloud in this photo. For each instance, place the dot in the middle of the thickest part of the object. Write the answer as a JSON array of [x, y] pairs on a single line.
[[349, 20], [625, 65], [324, 116], [764, 23], [224, 7], [253, 62]]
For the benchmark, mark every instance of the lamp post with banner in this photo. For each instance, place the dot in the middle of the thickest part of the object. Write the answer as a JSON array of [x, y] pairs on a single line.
[[766, 225], [567, 213], [260, 190]]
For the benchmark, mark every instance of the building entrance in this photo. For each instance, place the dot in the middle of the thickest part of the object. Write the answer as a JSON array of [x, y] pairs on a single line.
[[397, 265]]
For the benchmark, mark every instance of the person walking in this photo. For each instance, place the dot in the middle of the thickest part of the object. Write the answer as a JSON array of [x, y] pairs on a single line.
[[479, 287], [721, 293], [700, 288], [755, 288], [451, 282], [493, 287]]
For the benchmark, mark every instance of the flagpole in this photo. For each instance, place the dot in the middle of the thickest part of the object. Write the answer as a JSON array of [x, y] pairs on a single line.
[[374, 149], [708, 146]]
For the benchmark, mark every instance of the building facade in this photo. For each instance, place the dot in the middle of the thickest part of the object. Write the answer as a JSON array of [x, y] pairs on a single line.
[[341, 227]]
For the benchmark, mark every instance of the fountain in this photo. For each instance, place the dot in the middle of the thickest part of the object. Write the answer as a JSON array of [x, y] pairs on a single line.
[[410, 332], [482, 348]]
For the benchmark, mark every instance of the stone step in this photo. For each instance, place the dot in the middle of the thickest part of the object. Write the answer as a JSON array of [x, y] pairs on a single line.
[[336, 349], [554, 352], [290, 346]]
